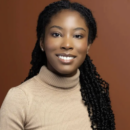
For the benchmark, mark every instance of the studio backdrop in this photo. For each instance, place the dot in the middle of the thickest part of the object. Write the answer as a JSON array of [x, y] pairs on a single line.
[[110, 51]]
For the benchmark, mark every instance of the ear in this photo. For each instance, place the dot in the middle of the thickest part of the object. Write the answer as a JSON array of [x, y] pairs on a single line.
[[41, 44], [88, 48]]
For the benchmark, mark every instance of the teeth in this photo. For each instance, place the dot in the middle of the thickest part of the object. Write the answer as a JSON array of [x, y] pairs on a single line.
[[65, 58]]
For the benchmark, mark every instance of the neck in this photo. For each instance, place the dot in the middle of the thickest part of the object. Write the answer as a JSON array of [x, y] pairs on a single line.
[[59, 81]]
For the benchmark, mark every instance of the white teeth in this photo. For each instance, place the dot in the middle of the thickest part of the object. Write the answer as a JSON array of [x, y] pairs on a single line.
[[65, 58]]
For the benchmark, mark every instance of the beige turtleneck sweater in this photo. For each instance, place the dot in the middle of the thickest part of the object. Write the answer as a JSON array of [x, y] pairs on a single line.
[[45, 102]]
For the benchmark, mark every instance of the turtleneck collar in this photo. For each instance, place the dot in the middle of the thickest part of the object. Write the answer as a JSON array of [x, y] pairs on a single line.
[[54, 80]]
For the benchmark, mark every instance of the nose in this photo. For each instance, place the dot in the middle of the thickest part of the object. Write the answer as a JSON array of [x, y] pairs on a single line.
[[67, 44]]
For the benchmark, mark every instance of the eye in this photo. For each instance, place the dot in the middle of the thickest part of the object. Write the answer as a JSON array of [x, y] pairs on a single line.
[[55, 34], [78, 36]]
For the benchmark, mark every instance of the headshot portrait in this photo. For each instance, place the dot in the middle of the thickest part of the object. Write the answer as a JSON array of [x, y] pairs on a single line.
[[61, 72]]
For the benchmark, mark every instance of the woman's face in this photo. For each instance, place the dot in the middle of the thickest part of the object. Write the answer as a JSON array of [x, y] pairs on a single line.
[[66, 33]]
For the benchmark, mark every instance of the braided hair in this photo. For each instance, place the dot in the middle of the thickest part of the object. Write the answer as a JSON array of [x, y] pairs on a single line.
[[94, 90]]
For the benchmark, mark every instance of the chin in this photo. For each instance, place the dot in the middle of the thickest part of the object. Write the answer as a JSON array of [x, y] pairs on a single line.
[[66, 71]]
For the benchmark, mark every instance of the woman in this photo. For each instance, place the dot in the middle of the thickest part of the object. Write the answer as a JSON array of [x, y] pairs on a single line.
[[63, 90]]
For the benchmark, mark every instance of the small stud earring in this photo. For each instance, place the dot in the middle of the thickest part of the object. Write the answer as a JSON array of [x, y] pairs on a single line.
[[42, 49]]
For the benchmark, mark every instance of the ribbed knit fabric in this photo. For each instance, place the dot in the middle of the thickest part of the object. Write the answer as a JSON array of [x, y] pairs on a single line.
[[45, 102]]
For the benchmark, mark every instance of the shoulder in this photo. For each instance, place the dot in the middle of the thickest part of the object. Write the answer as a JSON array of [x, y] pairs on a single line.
[[15, 97], [20, 94], [28, 85], [14, 107], [18, 99]]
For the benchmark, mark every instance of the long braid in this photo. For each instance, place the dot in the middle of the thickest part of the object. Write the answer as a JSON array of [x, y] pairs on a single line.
[[95, 94], [94, 90]]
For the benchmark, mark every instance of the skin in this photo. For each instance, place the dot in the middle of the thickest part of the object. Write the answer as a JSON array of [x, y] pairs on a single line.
[[63, 39]]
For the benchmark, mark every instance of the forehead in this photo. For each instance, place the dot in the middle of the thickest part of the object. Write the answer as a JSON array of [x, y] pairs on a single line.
[[68, 19]]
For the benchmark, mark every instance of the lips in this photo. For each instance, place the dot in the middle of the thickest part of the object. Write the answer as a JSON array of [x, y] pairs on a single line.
[[65, 61], [66, 55]]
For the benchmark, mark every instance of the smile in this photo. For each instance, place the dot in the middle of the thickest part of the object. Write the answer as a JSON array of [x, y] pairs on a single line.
[[64, 59]]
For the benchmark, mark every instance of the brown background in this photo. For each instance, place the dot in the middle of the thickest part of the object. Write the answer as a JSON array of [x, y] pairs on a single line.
[[110, 51]]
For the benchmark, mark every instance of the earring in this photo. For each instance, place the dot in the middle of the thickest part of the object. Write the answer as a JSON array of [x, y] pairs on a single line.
[[42, 49]]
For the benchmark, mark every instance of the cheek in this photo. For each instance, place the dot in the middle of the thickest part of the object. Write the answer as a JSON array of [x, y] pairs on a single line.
[[82, 48], [51, 44]]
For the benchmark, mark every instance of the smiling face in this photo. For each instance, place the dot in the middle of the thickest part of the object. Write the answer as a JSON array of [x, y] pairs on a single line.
[[66, 33]]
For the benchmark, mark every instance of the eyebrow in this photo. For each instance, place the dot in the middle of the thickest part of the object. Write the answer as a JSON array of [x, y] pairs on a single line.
[[78, 28]]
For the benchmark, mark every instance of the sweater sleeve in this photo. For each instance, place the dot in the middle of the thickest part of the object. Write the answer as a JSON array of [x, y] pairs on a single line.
[[13, 110]]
